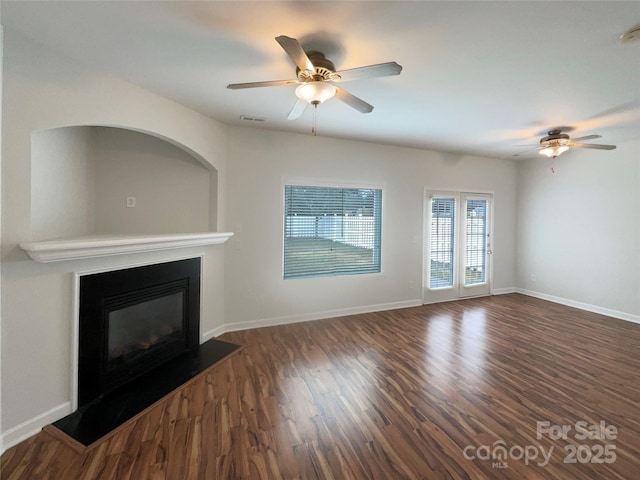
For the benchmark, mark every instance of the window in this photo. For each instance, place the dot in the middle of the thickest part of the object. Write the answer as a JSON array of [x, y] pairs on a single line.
[[331, 231]]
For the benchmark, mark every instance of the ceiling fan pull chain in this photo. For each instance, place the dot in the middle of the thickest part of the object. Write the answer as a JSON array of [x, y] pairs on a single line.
[[313, 126]]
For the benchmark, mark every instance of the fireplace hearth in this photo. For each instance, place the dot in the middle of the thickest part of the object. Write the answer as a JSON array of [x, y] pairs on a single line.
[[98, 418]]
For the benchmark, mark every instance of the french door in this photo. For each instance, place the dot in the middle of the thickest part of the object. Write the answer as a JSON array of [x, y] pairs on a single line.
[[457, 245]]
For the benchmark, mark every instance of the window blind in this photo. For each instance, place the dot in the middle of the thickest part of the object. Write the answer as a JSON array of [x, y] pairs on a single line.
[[443, 212], [331, 231], [475, 242]]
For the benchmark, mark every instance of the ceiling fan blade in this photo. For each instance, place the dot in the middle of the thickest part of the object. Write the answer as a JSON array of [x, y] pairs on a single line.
[[370, 71], [298, 109], [592, 145], [586, 137], [273, 83], [353, 101], [295, 51]]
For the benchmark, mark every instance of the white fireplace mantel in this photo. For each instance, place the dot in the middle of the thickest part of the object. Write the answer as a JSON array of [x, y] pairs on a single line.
[[105, 245]]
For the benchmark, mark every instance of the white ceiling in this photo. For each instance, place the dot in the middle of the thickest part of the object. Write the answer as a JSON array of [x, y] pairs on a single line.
[[478, 77]]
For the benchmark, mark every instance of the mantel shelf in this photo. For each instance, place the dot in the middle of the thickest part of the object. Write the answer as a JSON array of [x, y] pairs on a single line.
[[104, 245]]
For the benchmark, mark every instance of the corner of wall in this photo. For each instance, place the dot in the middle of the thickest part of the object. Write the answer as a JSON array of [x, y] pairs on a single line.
[[1, 69], [27, 429], [629, 317]]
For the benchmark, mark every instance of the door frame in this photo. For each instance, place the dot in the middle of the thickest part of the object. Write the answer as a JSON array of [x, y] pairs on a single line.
[[483, 289], [452, 293]]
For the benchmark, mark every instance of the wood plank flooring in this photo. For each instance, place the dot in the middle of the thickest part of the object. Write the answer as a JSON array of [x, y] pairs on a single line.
[[419, 393]]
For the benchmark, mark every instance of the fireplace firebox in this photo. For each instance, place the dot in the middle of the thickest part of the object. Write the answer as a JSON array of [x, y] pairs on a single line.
[[134, 320]]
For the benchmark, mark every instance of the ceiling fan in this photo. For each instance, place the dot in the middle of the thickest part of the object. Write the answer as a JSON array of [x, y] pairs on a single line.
[[556, 143], [317, 78]]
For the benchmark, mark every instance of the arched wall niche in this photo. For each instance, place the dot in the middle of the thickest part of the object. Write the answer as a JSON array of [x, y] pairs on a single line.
[[91, 180]]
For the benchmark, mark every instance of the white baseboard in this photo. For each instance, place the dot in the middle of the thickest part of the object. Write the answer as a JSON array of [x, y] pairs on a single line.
[[274, 321], [214, 332], [503, 291], [629, 317], [30, 427]]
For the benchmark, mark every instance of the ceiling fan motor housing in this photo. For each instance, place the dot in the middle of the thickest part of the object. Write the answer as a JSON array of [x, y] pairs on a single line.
[[555, 136], [324, 69]]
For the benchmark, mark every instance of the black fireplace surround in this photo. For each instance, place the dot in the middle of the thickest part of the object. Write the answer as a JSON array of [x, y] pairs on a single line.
[[133, 320], [139, 334]]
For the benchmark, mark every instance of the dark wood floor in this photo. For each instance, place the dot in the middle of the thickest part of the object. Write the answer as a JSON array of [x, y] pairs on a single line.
[[405, 394]]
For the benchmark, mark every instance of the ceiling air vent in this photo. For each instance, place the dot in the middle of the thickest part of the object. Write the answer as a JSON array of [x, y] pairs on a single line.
[[249, 118]]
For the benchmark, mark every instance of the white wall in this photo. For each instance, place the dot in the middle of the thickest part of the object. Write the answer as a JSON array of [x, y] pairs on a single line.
[[170, 186], [63, 181], [258, 160], [81, 178], [44, 90], [579, 229]]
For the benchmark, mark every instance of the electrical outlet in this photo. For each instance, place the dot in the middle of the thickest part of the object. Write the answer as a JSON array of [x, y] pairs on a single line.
[[131, 202], [533, 277]]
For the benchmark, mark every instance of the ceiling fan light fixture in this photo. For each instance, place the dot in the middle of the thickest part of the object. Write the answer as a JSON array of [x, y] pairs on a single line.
[[315, 92], [554, 150]]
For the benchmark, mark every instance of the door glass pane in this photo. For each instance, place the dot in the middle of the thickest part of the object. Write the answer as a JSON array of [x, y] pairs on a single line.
[[475, 242], [442, 242]]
